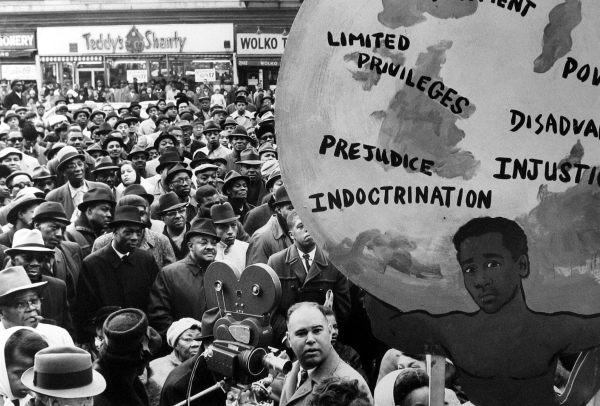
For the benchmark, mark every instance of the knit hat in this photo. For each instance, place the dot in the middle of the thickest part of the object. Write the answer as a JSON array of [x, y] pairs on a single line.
[[178, 327]]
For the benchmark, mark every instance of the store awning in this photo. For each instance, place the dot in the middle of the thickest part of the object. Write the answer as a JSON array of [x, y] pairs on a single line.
[[16, 53], [265, 62], [70, 58]]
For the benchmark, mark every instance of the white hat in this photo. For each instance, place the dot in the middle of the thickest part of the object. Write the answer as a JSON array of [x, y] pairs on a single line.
[[57, 118], [178, 327], [10, 150]]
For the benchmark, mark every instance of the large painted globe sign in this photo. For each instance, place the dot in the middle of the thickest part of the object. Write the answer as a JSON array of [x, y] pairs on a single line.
[[401, 120]]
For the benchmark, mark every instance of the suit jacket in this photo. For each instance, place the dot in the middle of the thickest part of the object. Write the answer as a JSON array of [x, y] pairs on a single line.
[[298, 286], [106, 280], [331, 366], [62, 195], [266, 241], [55, 305], [13, 98], [177, 292], [180, 253]]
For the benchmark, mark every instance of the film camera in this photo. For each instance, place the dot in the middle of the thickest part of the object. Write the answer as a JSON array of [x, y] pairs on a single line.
[[242, 334]]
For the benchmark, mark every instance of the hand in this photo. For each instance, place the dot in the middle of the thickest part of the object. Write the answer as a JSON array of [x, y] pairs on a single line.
[[329, 299]]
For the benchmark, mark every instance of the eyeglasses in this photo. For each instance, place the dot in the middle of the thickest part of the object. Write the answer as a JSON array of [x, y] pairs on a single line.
[[25, 304], [174, 213], [38, 257], [75, 165], [16, 139], [21, 185], [181, 181]]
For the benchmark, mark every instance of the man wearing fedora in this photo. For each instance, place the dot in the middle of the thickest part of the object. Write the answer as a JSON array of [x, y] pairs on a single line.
[[96, 212], [205, 172], [72, 164], [119, 274], [213, 148], [16, 96], [226, 224], [20, 305], [63, 376], [178, 179], [167, 159], [189, 144], [173, 212], [29, 252], [148, 126], [239, 140], [273, 236], [179, 288], [250, 164], [20, 216], [259, 216], [152, 239], [51, 220], [138, 157], [163, 143], [105, 171], [206, 197], [43, 179], [241, 91]]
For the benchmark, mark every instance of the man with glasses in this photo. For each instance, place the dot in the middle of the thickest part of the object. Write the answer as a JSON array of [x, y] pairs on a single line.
[[14, 140], [16, 96], [29, 252], [120, 274], [172, 212], [179, 180], [20, 305], [70, 195]]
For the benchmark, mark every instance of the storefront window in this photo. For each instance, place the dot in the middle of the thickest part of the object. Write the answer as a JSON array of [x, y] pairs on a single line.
[[196, 70], [67, 77], [49, 72], [119, 68]]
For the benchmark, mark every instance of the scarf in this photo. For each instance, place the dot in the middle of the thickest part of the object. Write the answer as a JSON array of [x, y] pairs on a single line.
[[5, 390]]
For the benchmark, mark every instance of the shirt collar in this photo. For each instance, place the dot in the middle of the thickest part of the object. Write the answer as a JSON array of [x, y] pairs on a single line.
[[73, 191], [311, 254], [117, 251]]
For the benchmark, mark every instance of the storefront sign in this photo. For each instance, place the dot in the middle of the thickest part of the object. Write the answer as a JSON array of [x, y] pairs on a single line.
[[135, 39], [140, 74], [259, 62], [17, 40], [22, 72], [204, 74], [260, 44]]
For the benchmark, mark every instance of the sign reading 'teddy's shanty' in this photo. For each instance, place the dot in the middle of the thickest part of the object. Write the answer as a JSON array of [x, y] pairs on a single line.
[[138, 39]]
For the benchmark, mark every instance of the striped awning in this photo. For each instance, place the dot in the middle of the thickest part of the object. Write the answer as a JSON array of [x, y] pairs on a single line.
[[90, 58]]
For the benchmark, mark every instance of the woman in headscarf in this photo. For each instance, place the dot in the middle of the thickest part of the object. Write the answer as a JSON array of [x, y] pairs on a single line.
[[408, 387], [18, 346]]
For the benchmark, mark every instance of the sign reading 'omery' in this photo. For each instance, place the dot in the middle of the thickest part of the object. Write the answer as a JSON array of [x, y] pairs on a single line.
[[17, 40]]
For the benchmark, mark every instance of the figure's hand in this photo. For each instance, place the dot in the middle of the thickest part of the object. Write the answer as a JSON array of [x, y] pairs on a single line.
[[329, 299]]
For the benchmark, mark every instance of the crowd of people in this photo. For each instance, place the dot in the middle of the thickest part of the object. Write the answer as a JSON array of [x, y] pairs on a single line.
[[109, 219]]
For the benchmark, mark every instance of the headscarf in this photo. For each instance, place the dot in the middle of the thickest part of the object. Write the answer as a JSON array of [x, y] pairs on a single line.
[[4, 382], [384, 391]]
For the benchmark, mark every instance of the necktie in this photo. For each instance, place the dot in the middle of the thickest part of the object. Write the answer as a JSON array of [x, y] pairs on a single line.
[[303, 377], [306, 261]]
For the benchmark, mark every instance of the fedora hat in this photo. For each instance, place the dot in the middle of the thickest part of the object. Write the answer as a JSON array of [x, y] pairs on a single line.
[[139, 190], [272, 179], [126, 108], [128, 335], [165, 135], [203, 98], [66, 155], [240, 90], [169, 157], [218, 160], [168, 202], [15, 279], [41, 172], [205, 167], [51, 152], [200, 158], [174, 170], [104, 128], [151, 106], [127, 215], [97, 195], [76, 112], [184, 123], [170, 105], [138, 150], [222, 213], [64, 373], [130, 118], [265, 129], [10, 150], [96, 148], [134, 104], [264, 110], [97, 113], [281, 196], [202, 226], [20, 203], [14, 174], [217, 109], [113, 138], [103, 164], [240, 131], [50, 211], [249, 156], [231, 177], [10, 114], [30, 241], [267, 147], [229, 121], [212, 126], [241, 99]]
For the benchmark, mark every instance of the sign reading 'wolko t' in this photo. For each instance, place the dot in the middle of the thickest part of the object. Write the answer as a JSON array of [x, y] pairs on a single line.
[[260, 44]]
